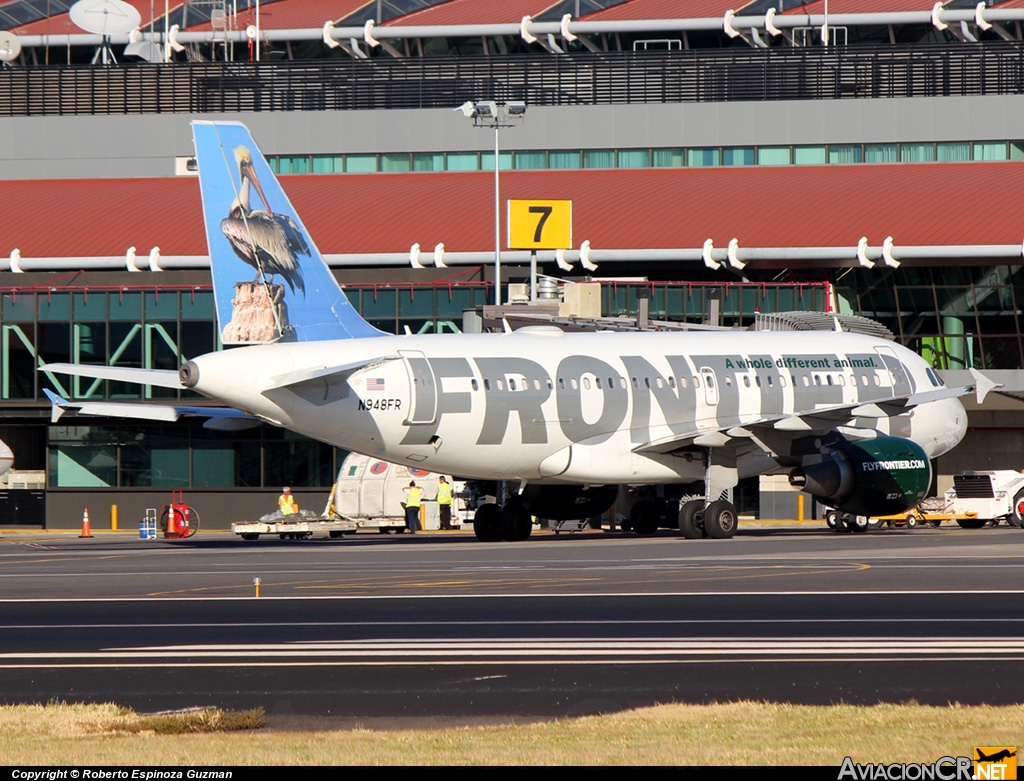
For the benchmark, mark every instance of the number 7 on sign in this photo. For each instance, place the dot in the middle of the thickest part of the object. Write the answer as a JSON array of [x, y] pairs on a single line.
[[537, 225]]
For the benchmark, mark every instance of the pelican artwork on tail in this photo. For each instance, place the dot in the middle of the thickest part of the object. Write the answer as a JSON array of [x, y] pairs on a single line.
[[270, 243]]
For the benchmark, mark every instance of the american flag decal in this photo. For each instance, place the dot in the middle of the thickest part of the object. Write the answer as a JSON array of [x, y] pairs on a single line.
[[374, 383]]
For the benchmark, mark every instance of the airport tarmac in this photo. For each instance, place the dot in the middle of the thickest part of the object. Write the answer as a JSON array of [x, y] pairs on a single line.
[[440, 624]]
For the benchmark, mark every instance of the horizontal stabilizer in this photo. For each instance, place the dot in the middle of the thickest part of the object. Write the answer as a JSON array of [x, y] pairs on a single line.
[[221, 418], [161, 378]]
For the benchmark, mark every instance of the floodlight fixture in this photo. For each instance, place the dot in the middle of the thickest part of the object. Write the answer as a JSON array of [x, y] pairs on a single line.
[[486, 109], [515, 108], [467, 108]]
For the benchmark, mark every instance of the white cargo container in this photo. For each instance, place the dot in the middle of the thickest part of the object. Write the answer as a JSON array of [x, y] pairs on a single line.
[[371, 492]]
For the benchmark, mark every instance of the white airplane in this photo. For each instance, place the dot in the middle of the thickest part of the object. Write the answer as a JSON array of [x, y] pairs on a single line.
[[555, 421], [6, 458]]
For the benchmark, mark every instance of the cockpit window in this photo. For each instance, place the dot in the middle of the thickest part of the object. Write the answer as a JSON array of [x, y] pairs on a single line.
[[935, 380]]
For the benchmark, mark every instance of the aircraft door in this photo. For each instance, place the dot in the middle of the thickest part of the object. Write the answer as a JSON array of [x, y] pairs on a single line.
[[897, 374], [422, 386], [707, 375]]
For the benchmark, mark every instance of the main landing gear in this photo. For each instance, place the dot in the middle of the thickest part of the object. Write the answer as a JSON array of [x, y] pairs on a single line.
[[511, 522], [718, 520]]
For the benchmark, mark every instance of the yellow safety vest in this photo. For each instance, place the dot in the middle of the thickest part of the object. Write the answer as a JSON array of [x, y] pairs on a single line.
[[287, 505], [412, 498], [444, 493]]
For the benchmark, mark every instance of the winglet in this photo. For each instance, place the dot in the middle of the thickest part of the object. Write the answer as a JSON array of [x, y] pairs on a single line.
[[983, 385], [58, 405], [270, 281]]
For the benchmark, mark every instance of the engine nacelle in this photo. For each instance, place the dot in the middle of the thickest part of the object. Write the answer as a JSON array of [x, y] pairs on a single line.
[[881, 476], [568, 502]]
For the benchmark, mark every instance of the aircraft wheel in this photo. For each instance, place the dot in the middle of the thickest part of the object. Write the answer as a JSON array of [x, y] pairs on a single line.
[[486, 523], [858, 523], [830, 519], [691, 520], [515, 522], [844, 524], [720, 520]]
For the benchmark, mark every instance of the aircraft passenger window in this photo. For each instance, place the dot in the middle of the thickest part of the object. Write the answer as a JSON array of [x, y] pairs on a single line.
[[682, 382], [551, 385], [561, 383], [842, 380], [622, 383], [877, 380], [575, 384], [746, 381], [611, 383], [511, 384], [853, 380], [597, 382], [817, 380], [586, 383], [829, 377], [635, 383], [647, 381], [782, 380], [728, 382], [771, 382], [487, 384], [710, 381], [659, 382], [474, 384], [671, 381], [501, 385], [696, 382], [807, 381]]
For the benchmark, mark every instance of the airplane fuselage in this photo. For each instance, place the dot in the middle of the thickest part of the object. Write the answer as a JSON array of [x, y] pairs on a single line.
[[543, 406]]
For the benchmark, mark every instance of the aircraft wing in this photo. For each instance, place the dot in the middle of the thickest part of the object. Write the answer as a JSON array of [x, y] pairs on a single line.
[[218, 418], [817, 421]]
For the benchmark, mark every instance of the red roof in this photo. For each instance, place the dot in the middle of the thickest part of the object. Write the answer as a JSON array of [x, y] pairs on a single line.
[[666, 9], [295, 14], [862, 7], [61, 24], [474, 12], [783, 206]]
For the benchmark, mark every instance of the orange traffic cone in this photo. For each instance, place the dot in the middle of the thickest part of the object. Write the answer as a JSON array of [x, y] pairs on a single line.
[[86, 527]]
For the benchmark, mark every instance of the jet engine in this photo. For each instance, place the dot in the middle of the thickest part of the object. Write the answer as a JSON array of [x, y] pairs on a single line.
[[881, 476], [568, 502]]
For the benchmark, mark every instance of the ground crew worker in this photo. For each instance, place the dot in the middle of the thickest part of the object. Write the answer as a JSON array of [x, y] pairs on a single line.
[[286, 502], [444, 502], [413, 498]]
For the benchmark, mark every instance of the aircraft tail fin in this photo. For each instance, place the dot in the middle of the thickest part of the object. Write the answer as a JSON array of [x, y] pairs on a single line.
[[270, 281]]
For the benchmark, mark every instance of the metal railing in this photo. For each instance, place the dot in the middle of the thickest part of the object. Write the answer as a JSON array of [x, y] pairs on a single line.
[[696, 75]]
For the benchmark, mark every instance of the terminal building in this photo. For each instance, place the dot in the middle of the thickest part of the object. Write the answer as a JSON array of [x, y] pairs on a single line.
[[722, 162]]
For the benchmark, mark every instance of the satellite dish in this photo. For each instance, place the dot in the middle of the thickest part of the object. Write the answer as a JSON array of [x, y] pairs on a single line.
[[10, 46], [105, 17], [145, 50]]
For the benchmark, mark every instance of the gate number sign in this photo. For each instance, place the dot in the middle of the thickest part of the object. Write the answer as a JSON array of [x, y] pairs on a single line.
[[539, 224]]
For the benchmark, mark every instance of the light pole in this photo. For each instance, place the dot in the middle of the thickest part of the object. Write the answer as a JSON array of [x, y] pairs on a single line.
[[491, 114]]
